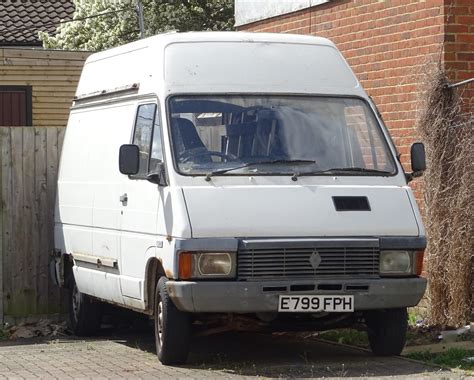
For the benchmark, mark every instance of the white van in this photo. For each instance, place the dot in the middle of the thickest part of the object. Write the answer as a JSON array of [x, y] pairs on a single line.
[[235, 177]]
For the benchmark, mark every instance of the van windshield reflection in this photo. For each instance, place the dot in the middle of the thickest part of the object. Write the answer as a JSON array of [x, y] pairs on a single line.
[[271, 135]]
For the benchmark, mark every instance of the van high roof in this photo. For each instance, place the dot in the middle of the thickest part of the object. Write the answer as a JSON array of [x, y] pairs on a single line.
[[220, 62], [164, 39]]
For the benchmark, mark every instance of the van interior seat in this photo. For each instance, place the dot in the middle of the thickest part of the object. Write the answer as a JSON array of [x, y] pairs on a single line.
[[187, 140], [240, 138], [255, 139]]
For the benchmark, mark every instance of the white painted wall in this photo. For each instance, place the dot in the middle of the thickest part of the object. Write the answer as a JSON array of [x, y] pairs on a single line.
[[247, 11]]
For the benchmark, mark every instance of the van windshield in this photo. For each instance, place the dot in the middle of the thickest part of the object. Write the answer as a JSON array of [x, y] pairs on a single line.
[[271, 135]]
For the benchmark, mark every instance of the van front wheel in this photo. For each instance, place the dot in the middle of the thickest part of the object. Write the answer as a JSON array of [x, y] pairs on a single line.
[[387, 330], [172, 328]]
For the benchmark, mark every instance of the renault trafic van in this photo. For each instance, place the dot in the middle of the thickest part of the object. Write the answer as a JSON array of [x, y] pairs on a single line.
[[235, 177]]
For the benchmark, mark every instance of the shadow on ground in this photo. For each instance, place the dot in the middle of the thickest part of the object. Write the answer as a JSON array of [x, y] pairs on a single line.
[[250, 354], [281, 356]]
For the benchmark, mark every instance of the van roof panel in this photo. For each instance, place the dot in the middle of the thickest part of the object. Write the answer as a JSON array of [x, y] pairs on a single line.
[[232, 62], [161, 40]]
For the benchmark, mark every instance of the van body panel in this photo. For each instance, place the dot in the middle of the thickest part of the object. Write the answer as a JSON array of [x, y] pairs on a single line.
[[126, 74], [244, 297], [143, 62], [298, 211], [97, 283], [138, 234], [260, 68], [416, 211], [89, 184]]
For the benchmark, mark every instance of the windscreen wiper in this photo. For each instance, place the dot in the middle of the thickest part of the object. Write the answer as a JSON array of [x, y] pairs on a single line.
[[358, 170], [247, 164], [334, 171], [349, 170]]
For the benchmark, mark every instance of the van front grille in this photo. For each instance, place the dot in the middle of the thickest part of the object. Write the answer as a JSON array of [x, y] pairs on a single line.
[[296, 263]]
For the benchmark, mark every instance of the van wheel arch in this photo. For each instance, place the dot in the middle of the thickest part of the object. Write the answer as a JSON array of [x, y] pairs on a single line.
[[67, 269], [154, 271]]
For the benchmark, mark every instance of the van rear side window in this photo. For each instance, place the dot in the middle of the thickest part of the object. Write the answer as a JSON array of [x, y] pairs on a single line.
[[147, 137]]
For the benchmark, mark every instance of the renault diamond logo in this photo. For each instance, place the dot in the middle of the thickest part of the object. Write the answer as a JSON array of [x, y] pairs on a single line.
[[315, 259]]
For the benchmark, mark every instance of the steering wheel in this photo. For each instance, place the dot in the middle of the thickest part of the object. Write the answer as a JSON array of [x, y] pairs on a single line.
[[190, 154]]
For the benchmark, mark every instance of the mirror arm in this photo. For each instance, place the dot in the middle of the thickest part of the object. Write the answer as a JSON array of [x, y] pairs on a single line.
[[411, 176], [157, 179], [153, 178]]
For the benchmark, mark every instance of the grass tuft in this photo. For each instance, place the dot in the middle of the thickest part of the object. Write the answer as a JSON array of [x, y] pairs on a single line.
[[452, 358], [350, 337], [3, 335]]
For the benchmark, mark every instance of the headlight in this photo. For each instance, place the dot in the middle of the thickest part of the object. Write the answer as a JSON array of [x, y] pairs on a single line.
[[214, 264], [396, 263], [206, 265]]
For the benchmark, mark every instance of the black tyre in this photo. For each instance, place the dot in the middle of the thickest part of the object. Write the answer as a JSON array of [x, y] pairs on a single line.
[[387, 331], [172, 328], [85, 314]]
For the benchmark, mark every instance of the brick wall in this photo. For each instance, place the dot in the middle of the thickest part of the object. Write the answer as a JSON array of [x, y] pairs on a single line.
[[459, 45], [387, 43]]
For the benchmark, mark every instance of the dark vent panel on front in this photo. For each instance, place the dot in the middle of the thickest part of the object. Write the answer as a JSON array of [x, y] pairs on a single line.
[[351, 203]]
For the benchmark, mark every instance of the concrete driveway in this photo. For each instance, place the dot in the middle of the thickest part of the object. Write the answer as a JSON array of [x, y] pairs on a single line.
[[130, 354]]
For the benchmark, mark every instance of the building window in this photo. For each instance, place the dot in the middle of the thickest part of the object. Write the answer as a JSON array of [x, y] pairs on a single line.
[[15, 106]]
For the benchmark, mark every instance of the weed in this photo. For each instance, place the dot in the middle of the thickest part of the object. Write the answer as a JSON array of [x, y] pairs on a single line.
[[346, 336], [452, 358], [412, 318], [338, 372], [3, 334], [90, 347], [304, 356]]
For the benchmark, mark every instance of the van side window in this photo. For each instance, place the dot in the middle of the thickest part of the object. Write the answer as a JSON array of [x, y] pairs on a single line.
[[365, 142], [143, 133], [156, 148]]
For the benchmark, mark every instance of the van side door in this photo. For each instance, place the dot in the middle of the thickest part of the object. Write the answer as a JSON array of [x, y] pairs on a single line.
[[140, 201], [94, 142]]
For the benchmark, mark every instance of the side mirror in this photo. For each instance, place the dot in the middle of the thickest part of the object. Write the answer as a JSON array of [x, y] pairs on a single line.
[[129, 159], [158, 175], [418, 157], [418, 161]]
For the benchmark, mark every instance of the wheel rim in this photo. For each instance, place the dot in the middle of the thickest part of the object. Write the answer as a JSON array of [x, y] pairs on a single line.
[[159, 322], [76, 301]]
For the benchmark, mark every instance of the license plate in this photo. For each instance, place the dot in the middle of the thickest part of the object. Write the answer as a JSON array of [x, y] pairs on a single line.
[[336, 304]]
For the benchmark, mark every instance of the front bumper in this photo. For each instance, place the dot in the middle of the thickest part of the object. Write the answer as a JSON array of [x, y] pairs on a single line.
[[262, 296]]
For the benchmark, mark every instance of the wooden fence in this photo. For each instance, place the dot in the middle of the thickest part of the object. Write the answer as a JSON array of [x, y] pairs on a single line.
[[29, 163]]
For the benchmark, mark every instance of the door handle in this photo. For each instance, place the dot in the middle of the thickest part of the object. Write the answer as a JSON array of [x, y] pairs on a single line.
[[124, 199]]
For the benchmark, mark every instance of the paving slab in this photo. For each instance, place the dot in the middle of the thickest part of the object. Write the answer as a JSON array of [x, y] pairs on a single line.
[[130, 355]]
